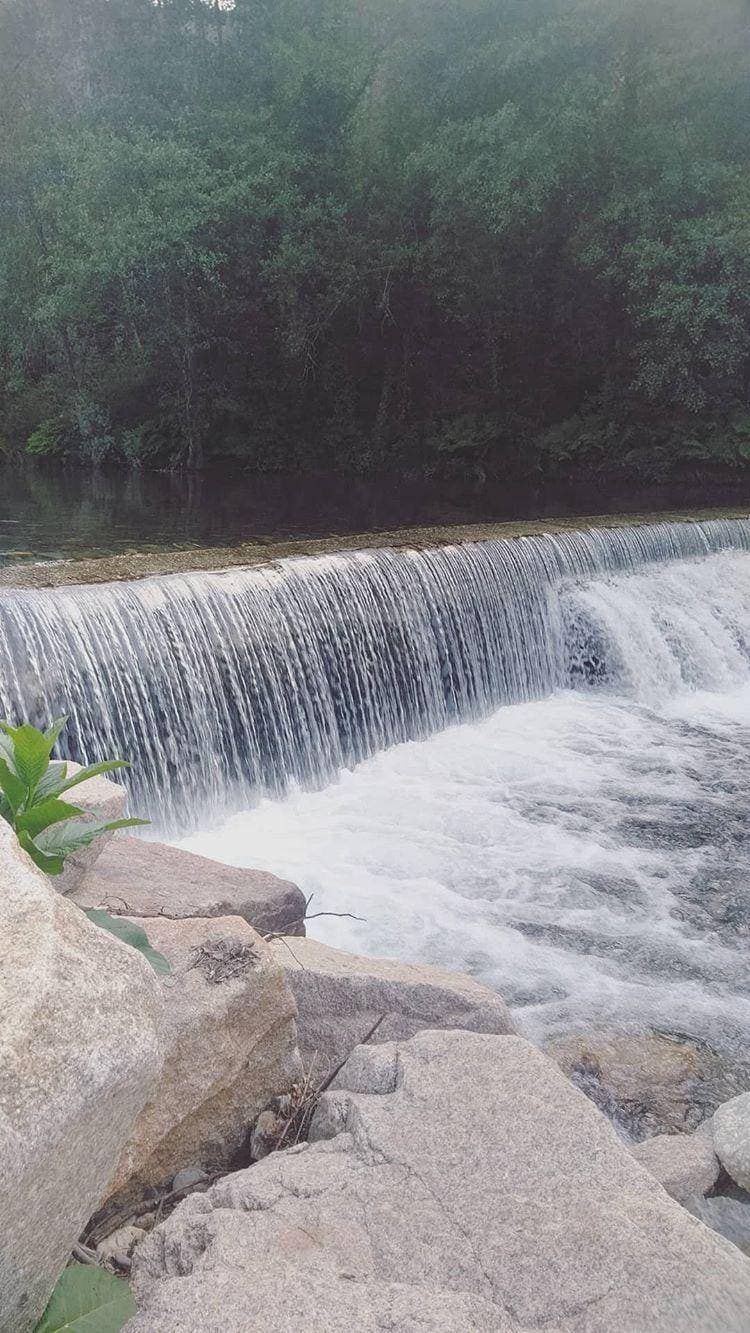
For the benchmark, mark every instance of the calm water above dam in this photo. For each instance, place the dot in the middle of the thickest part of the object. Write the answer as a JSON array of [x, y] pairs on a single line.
[[523, 759]]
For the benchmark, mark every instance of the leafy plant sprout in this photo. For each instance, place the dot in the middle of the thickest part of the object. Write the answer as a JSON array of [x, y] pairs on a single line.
[[48, 828]]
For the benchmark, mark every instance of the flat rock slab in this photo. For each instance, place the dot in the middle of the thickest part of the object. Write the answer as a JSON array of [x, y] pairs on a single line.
[[134, 877], [344, 1000], [685, 1164], [455, 1182], [230, 1045]]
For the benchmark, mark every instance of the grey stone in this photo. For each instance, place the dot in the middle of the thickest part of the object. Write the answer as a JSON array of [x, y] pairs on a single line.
[[80, 1052], [230, 1044], [344, 999], [266, 1134], [476, 1189], [100, 799], [135, 877], [731, 1138], [121, 1243], [685, 1164], [729, 1216], [187, 1178]]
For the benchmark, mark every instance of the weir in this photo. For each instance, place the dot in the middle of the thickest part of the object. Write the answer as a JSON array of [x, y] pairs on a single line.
[[224, 687]]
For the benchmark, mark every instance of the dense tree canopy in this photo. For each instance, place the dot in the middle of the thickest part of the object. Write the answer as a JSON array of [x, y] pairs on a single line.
[[510, 236]]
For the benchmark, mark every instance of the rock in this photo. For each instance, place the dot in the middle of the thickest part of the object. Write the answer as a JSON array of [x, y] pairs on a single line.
[[730, 1217], [731, 1138], [467, 1185], [230, 1045], [344, 1000], [266, 1134], [647, 1084], [120, 1243], [135, 877], [685, 1164], [99, 798], [79, 1054], [188, 1178]]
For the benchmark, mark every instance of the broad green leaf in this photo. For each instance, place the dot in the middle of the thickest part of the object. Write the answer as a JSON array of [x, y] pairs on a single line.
[[50, 864], [13, 788], [53, 782], [62, 839], [44, 814], [31, 752], [131, 934], [87, 1299], [6, 748], [93, 770]]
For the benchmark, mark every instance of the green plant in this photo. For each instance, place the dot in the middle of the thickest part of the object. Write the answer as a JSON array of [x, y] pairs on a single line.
[[48, 828], [32, 785], [87, 1300]]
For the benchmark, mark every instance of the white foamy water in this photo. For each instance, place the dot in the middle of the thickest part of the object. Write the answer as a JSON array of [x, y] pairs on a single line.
[[587, 854]]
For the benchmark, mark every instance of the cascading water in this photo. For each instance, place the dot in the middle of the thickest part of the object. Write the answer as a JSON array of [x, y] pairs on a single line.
[[222, 688], [523, 759]]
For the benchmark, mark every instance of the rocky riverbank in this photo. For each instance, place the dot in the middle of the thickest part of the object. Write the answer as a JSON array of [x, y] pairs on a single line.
[[285, 1136]]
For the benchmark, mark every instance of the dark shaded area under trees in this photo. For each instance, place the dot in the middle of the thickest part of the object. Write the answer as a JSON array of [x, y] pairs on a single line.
[[505, 237]]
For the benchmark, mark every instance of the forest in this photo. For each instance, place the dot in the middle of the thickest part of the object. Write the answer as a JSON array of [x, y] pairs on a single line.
[[504, 238]]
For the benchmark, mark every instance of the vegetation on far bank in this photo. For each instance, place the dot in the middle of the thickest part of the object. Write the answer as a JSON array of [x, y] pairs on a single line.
[[503, 237]]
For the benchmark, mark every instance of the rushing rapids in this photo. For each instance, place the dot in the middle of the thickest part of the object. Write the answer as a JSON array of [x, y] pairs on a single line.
[[225, 688], [525, 759]]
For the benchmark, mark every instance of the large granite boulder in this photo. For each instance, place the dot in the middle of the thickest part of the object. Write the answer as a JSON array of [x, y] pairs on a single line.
[[79, 1054], [730, 1131], [344, 1000], [456, 1182], [135, 877], [100, 799], [230, 1046]]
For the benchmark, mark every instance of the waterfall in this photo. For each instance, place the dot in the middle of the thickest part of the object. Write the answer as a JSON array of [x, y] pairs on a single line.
[[221, 688]]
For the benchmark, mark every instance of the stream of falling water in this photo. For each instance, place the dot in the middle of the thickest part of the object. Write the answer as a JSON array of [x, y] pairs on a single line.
[[587, 853], [523, 759]]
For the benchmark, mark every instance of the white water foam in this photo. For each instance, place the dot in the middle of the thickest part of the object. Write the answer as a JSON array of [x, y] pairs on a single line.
[[586, 854]]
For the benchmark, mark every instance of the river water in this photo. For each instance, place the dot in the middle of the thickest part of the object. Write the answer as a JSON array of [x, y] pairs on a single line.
[[586, 853], [527, 760]]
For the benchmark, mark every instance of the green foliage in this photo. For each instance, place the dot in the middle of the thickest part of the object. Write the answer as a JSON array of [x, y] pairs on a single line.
[[49, 828], [87, 1299], [48, 438], [31, 784], [509, 232]]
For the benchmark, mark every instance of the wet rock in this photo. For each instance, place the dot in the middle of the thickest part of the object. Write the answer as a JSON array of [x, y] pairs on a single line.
[[344, 1000], [230, 1045], [134, 877], [685, 1164], [648, 1084], [731, 1138], [395, 1217]]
